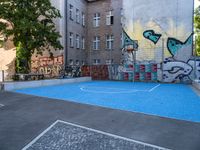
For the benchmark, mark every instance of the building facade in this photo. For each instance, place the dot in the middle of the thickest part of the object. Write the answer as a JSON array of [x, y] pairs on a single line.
[[76, 32], [104, 32], [92, 34]]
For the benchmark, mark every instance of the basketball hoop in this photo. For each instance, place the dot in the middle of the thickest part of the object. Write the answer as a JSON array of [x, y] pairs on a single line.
[[130, 48]]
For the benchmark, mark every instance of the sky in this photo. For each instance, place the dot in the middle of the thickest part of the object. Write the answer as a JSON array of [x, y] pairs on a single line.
[[197, 3]]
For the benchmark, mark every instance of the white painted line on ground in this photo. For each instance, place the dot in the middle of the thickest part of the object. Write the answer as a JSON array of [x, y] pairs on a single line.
[[107, 92], [40, 135], [90, 129], [152, 89]]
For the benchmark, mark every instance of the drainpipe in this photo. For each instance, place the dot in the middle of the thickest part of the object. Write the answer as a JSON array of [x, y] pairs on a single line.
[[65, 33]]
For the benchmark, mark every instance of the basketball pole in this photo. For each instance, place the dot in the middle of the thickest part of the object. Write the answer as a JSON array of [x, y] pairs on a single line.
[[133, 53], [134, 64]]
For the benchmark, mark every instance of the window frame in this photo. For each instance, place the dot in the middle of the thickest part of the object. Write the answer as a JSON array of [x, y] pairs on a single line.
[[77, 15], [109, 18], [83, 43], [110, 42], [96, 61], [96, 20], [83, 19], [71, 39], [77, 41], [71, 12], [96, 43]]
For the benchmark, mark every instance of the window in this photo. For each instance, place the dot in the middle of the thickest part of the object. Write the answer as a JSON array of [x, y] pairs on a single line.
[[71, 12], [96, 61], [109, 18], [71, 62], [96, 20], [77, 62], [96, 43], [71, 39], [83, 19], [109, 42], [77, 41], [109, 61], [83, 43], [77, 16]]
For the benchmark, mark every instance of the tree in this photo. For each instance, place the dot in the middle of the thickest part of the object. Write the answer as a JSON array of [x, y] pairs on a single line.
[[197, 29], [30, 23]]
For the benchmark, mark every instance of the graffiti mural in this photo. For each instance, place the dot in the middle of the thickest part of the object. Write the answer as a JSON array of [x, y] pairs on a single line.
[[128, 46], [152, 36], [177, 68], [195, 63], [128, 42], [71, 71], [180, 50], [50, 67], [176, 71], [131, 70], [173, 53]]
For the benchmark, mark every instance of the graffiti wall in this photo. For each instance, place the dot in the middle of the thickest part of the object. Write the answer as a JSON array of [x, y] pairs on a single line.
[[163, 30], [97, 72], [50, 67]]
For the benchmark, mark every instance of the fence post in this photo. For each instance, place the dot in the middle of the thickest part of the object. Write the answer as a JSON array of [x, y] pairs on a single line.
[[2, 75], [90, 61], [163, 57], [195, 63]]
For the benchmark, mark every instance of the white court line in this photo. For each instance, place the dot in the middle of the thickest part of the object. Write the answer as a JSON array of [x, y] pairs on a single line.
[[2, 105], [90, 129], [111, 88], [152, 89], [128, 91], [84, 89], [39, 136]]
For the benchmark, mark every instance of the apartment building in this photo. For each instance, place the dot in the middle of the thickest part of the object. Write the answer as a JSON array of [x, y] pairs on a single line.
[[104, 32], [76, 32], [90, 34], [93, 31]]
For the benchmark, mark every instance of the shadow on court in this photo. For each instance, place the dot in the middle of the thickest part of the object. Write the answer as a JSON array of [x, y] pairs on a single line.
[[24, 117]]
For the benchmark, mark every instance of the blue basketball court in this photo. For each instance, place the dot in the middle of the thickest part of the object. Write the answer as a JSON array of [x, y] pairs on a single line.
[[177, 101]]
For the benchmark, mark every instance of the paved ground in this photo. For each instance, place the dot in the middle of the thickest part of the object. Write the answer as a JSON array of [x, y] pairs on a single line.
[[24, 117], [66, 136]]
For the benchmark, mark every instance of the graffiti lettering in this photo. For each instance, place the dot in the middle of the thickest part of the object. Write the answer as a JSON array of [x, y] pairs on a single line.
[[50, 67]]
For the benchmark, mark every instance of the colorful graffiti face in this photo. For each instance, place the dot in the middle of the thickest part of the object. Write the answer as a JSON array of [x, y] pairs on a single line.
[[180, 50], [152, 36]]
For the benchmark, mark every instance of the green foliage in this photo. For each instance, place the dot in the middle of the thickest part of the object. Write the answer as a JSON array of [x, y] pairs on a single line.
[[32, 27], [197, 30], [1, 43], [22, 57]]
